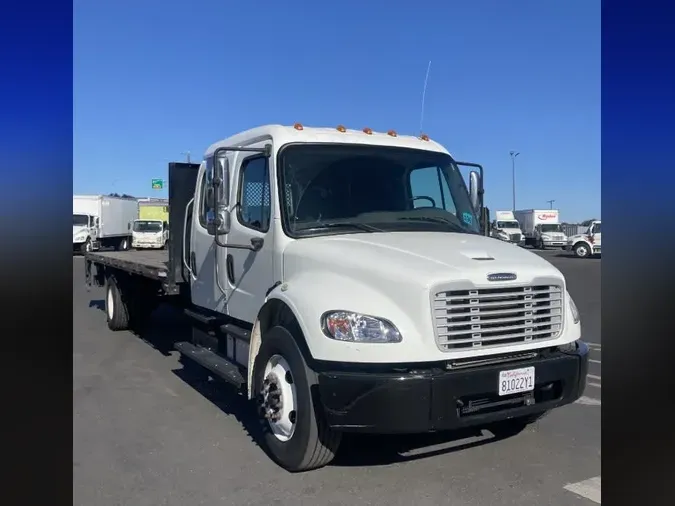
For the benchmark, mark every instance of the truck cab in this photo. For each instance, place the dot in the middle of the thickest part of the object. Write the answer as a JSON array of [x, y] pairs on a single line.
[[550, 235], [344, 280], [84, 231], [587, 244], [505, 227], [149, 234]]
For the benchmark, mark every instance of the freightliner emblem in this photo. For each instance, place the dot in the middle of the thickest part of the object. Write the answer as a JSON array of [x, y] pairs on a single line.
[[502, 276]]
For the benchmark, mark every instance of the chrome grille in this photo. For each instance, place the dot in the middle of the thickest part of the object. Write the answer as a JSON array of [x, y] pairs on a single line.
[[515, 237], [494, 317]]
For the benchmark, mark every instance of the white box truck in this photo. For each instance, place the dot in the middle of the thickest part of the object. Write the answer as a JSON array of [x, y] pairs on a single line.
[[102, 221], [587, 243], [542, 228], [335, 308], [149, 234], [506, 228]]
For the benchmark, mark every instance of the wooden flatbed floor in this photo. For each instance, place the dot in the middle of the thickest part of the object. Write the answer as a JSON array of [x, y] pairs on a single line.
[[148, 263]]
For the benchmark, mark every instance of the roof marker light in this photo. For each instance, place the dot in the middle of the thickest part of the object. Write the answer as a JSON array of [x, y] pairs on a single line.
[[424, 137], [341, 128], [368, 131], [392, 133], [297, 126]]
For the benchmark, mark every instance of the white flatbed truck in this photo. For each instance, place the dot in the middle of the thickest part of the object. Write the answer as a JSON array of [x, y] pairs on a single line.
[[339, 307]]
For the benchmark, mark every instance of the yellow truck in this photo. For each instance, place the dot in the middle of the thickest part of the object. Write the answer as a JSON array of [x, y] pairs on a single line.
[[152, 211]]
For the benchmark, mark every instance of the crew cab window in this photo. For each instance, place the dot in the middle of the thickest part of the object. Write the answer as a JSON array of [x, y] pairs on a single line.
[[254, 210], [429, 188]]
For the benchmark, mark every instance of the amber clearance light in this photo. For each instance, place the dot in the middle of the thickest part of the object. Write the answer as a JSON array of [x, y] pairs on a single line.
[[298, 126]]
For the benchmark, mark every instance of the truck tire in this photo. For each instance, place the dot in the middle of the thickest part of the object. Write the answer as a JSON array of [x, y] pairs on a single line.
[[581, 250], [300, 439], [86, 246], [116, 310], [123, 245]]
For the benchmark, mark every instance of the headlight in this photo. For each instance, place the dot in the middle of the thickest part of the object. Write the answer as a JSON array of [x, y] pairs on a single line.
[[573, 307], [355, 327]]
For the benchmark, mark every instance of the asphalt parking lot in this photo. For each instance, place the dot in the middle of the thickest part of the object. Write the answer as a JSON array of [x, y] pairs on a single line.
[[146, 433]]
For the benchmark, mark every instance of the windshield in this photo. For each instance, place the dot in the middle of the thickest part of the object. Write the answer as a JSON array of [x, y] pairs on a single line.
[[147, 226], [80, 220], [333, 188], [507, 224], [551, 228]]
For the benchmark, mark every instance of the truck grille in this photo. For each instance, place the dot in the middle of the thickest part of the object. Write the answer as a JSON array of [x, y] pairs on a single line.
[[494, 317], [515, 237]]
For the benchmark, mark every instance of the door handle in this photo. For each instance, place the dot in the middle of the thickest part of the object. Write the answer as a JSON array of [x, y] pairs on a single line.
[[193, 263], [230, 269]]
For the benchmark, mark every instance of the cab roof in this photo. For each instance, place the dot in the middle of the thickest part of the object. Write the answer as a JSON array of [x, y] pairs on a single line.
[[284, 134]]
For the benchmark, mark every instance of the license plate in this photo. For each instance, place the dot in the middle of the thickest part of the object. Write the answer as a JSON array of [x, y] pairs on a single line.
[[515, 381]]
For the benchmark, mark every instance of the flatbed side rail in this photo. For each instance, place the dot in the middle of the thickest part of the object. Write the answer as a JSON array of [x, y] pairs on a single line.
[[129, 265]]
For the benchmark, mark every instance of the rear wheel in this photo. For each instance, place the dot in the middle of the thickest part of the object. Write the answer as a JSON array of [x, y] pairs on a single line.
[[116, 310], [295, 432], [86, 247], [123, 245]]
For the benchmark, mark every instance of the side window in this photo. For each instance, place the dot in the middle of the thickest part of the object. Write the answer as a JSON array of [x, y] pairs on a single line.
[[254, 210], [430, 183], [201, 205]]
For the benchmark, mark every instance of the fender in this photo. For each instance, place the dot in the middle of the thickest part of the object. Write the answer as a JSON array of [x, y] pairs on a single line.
[[309, 295]]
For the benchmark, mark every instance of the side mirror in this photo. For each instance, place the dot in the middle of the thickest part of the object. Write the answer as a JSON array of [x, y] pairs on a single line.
[[221, 180], [474, 186], [218, 223], [165, 225]]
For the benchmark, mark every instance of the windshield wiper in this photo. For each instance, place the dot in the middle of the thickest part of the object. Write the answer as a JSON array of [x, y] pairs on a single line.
[[433, 219], [364, 227]]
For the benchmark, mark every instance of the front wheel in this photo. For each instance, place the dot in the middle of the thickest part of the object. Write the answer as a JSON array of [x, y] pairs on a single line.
[[582, 250], [295, 432]]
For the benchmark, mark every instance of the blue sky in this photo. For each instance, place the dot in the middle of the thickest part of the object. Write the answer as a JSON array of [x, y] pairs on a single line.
[[154, 79]]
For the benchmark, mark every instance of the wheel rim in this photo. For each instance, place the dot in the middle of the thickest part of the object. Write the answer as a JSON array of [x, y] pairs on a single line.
[[109, 303], [582, 251], [278, 401]]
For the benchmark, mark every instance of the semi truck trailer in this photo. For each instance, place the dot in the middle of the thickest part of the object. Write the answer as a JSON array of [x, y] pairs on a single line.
[[345, 281]]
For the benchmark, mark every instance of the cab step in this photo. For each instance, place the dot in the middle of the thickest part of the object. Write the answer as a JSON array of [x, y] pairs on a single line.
[[213, 362]]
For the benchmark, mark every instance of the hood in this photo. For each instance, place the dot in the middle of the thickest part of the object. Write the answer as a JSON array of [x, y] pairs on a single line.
[[414, 257]]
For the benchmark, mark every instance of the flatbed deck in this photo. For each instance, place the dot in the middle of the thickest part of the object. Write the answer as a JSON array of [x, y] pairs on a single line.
[[150, 264]]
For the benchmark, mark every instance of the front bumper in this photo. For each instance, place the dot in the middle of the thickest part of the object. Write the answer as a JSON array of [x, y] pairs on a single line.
[[433, 398], [555, 244], [147, 245]]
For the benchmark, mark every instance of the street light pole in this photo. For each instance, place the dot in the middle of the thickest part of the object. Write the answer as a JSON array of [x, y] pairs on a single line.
[[550, 203], [513, 154]]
